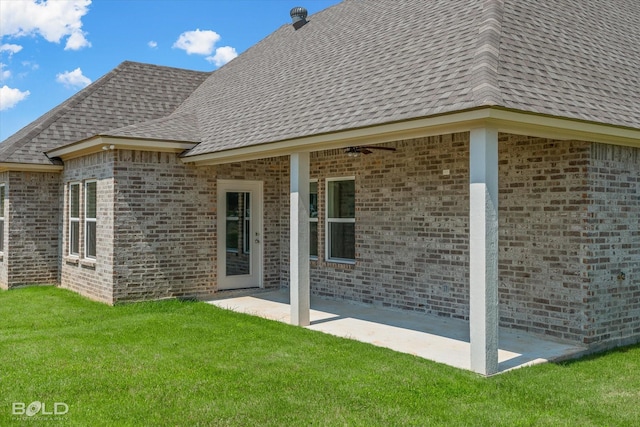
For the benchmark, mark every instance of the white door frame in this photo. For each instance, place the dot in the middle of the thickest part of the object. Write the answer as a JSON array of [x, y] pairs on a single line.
[[254, 279]]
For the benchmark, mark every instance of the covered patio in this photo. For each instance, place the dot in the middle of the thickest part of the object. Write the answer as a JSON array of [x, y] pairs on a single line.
[[481, 351], [443, 340], [430, 237]]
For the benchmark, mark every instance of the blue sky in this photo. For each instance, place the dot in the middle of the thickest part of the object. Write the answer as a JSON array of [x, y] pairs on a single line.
[[52, 49]]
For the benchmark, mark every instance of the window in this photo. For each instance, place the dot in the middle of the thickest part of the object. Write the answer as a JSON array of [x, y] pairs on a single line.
[[90, 205], [233, 212], [238, 222], [2, 187], [341, 220], [313, 220], [74, 219]]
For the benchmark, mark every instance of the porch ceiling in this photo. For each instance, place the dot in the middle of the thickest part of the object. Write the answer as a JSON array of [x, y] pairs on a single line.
[[434, 338]]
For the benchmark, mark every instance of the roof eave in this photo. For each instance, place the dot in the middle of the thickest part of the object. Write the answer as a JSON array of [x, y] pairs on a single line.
[[29, 167], [504, 120], [562, 128], [103, 143]]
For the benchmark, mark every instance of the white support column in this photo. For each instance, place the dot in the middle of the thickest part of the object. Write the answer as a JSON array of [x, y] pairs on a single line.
[[483, 249], [299, 240]]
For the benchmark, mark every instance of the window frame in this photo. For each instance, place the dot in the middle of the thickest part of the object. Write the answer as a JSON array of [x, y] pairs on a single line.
[[314, 220], [328, 221], [88, 220], [74, 220]]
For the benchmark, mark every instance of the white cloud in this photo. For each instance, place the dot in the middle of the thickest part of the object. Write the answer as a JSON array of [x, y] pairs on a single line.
[[223, 55], [11, 48], [198, 42], [4, 74], [77, 41], [53, 20], [9, 97], [152, 44], [73, 79]]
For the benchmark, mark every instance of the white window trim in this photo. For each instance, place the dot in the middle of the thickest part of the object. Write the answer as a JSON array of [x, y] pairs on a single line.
[[327, 220], [88, 220], [74, 219], [314, 257]]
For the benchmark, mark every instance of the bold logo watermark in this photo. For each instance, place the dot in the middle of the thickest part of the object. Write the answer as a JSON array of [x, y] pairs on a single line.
[[39, 408]]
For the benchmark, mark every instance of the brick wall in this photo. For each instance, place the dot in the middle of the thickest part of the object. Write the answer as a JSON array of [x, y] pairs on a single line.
[[4, 260], [543, 201], [164, 227], [568, 228], [411, 226], [32, 220], [92, 278], [412, 234], [612, 232], [162, 216]]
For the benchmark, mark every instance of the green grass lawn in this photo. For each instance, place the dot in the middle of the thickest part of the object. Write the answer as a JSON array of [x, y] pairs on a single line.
[[189, 363]]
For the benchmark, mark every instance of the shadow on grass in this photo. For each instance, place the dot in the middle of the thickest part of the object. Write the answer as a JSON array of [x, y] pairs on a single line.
[[599, 354]]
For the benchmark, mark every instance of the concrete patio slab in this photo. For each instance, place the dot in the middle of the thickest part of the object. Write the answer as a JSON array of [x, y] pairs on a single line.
[[439, 339]]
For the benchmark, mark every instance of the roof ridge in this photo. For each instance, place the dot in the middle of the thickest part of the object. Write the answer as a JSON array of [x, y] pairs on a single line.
[[484, 79], [59, 111], [167, 67]]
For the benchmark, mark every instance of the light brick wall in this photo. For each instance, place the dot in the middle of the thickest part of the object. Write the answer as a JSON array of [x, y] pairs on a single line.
[[411, 227], [165, 243], [4, 259], [568, 227], [412, 234], [612, 232], [162, 215], [32, 219], [91, 278], [544, 195]]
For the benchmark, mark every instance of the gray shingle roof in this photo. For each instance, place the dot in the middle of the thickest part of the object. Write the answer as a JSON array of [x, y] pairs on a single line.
[[178, 127], [130, 93], [355, 64], [366, 62], [362, 63], [572, 58]]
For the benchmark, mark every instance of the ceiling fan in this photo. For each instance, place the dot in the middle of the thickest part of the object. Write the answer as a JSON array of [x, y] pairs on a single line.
[[365, 149]]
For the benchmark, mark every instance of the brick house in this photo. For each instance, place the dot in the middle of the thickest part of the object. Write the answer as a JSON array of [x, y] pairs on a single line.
[[471, 159]]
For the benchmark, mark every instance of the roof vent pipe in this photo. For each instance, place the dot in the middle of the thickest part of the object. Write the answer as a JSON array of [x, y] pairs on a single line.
[[298, 16]]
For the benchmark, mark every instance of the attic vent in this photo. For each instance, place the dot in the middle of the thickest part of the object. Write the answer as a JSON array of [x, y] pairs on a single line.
[[298, 16]]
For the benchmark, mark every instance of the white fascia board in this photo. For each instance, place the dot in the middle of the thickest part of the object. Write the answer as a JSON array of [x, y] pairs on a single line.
[[29, 167], [564, 129], [506, 121], [100, 143]]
